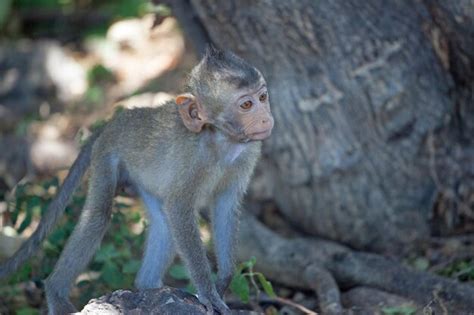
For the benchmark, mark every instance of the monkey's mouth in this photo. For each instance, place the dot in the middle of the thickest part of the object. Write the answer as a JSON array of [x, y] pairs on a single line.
[[260, 135], [243, 137]]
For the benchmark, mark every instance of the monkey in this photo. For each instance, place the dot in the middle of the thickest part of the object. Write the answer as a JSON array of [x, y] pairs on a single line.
[[199, 150]]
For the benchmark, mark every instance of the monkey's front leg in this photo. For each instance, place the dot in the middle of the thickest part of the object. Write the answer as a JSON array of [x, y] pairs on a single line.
[[225, 220], [185, 231]]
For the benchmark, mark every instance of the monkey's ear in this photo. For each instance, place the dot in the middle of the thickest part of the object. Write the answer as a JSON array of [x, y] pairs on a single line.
[[191, 112]]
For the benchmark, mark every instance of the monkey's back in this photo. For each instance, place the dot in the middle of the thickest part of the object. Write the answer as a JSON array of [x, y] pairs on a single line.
[[140, 139], [153, 146]]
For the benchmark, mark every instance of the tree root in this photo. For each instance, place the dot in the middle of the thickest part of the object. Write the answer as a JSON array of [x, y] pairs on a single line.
[[325, 286], [324, 266]]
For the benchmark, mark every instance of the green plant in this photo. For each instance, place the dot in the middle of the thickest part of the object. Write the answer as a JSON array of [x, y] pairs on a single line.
[[98, 74], [27, 311], [244, 276], [115, 263], [399, 310], [462, 270], [28, 203], [5, 7], [108, 11]]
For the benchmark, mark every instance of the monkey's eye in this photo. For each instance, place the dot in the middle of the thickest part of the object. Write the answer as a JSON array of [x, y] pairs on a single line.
[[246, 105], [263, 97]]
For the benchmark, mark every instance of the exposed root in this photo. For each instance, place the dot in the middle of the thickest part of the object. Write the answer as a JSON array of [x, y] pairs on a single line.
[[325, 263], [325, 286]]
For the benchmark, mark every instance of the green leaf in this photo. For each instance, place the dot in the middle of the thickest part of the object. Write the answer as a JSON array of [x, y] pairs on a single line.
[[24, 273], [132, 266], [5, 7], [34, 202], [127, 8], [399, 310], [162, 10], [179, 272], [27, 221], [421, 263], [36, 3], [246, 265], [266, 285], [57, 237], [190, 288], [112, 275], [98, 74], [251, 262], [135, 217], [240, 287], [106, 253], [125, 253], [27, 311], [56, 240], [94, 94]]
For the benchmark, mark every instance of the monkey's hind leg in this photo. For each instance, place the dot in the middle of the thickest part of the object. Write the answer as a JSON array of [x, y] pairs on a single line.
[[85, 239], [225, 220], [185, 230], [159, 248]]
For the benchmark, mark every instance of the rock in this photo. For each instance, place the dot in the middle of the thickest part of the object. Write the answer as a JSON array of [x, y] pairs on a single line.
[[166, 300], [154, 301]]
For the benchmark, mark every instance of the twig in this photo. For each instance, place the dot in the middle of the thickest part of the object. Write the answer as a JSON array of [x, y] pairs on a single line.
[[267, 299], [295, 305]]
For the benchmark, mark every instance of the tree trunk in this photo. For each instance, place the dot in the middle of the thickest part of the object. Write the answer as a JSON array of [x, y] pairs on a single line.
[[361, 92]]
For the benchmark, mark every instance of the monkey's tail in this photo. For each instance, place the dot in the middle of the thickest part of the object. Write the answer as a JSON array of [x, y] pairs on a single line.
[[54, 211]]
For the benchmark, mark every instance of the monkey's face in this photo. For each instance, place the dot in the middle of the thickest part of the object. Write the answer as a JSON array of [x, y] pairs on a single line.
[[241, 113], [229, 94], [247, 116]]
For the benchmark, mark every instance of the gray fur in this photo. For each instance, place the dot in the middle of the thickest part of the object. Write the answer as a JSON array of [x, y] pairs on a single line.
[[224, 226], [159, 250], [177, 169]]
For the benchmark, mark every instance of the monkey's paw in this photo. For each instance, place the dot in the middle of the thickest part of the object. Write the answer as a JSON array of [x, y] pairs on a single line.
[[214, 302]]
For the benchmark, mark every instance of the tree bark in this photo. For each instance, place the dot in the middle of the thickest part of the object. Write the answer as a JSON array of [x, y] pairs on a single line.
[[357, 90]]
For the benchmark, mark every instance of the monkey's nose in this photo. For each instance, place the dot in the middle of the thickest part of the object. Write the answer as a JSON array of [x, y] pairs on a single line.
[[267, 122]]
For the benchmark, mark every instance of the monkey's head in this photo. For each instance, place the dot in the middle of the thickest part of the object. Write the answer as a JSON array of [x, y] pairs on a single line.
[[229, 94]]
